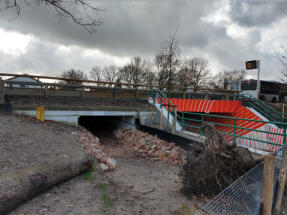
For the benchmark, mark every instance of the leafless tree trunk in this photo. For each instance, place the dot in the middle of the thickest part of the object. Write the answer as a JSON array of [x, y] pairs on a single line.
[[167, 62]]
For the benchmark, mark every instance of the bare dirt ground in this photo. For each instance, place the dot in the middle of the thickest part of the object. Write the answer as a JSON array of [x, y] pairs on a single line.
[[137, 186]]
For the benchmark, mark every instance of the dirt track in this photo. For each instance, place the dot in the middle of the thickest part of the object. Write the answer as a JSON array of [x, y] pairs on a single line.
[[136, 187]]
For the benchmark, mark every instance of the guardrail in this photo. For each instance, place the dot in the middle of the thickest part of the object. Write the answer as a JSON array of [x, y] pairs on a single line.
[[117, 84], [47, 89], [195, 121], [264, 109]]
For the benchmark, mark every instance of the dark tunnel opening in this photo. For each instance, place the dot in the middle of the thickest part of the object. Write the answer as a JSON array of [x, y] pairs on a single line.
[[101, 126]]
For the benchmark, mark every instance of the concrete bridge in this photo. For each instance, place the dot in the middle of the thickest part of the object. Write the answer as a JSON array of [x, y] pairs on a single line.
[[68, 102], [119, 103]]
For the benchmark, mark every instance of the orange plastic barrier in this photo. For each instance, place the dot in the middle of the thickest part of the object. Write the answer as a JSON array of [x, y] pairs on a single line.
[[205, 106], [242, 112]]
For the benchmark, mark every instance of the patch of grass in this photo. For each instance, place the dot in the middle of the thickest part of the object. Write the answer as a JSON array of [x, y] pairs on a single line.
[[108, 202], [94, 168], [88, 176], [102, 187]]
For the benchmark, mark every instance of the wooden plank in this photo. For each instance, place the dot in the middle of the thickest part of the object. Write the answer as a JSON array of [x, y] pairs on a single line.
[[281, 184], [268, 181]]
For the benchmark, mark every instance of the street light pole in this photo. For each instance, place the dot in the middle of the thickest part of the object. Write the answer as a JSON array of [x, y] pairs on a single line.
[[258, 79]]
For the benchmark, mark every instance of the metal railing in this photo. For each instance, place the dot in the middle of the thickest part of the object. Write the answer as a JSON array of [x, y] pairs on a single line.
[[264, 109], [236, 129]]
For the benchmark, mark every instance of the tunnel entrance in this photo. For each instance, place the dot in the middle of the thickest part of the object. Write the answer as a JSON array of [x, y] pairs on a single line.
[[103, 126]]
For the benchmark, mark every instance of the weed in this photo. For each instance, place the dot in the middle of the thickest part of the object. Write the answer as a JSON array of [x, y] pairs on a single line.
[[108, 202], [102, 187], [88, 176], [94, 168]]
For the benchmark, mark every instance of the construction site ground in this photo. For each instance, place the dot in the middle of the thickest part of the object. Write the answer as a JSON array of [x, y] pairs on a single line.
[[136, 186]]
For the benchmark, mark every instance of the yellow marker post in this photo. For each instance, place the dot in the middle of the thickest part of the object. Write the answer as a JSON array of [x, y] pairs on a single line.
[[40, 113]]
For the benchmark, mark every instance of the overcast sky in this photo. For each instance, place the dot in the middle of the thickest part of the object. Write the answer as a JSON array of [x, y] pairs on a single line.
[[226, 32]]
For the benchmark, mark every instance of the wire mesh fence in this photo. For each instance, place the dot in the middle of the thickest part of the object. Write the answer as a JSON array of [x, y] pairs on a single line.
[[243, 197]]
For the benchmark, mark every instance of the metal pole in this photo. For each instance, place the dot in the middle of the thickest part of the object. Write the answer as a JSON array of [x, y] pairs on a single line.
[[202, 120], [234, 132], [283, 112], [161, 118], [174, 121], [182, 122], [258, 78]]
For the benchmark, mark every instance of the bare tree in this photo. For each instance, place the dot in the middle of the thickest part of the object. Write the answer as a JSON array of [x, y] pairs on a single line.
[[111, 73], [77, 76], [149, 78], [106, 73], [167, 62], [81, 12], [133, 72], [282, 57], [193, 71], [228, 78], [97, 73]]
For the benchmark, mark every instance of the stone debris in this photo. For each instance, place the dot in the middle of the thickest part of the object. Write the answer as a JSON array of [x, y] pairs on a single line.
[[93, 146], [104, 167], [149, 146]]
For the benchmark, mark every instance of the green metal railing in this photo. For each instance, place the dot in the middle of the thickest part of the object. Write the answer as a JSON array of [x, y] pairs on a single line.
[[235, 128], [264, 109]]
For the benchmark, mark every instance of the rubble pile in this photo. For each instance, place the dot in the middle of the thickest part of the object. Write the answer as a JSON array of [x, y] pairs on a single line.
[[149, 146], [93, 146]]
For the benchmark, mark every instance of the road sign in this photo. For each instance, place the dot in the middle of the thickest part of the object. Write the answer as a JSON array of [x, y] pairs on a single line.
[[253, 64]]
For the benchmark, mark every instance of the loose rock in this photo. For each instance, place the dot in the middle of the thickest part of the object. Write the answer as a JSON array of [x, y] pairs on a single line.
[[149, 146]]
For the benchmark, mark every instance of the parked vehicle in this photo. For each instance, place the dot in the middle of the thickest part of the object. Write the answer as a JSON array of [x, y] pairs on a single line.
[[268, 90]]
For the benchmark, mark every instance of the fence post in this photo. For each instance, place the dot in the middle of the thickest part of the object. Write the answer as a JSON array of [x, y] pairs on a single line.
[[2, 91], [267, 184], [269, 114], [161, 118], [83, 93], [46, 90], [234, 132], [281, 183], [167, 122], [174, 121], [152, 118], [115, 94], [202, 120], [284, 135], [283, 112], [182, 121]]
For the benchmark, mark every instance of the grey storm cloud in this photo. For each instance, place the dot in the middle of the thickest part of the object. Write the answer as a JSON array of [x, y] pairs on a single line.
[[46, 58], [137, 27], [257, 12], [129, 28]]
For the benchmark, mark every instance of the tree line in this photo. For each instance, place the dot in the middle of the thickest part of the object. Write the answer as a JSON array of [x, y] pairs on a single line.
[[168, 70]]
